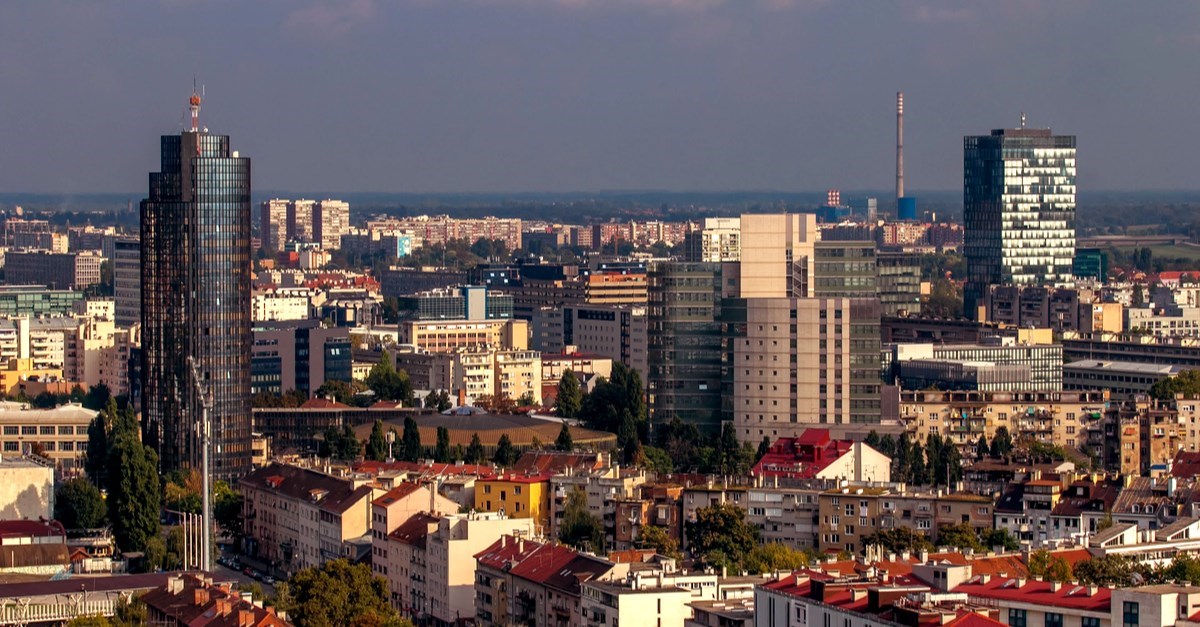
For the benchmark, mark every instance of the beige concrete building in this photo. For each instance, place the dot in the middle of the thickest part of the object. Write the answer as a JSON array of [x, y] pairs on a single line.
[[605, 489], [114, 359], [283, 304], [331, 218], [719, 239], [447, 335], [300, 220], [295, 518], [848, 515], [431, 561], [60, 432], [26, 488], [1059, 417], [273, 224], [777, 254]]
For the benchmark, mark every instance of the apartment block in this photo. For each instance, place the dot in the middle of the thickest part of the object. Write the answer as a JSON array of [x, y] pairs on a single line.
[[59, 271]]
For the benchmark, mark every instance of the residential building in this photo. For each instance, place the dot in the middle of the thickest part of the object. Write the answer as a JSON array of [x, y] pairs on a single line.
[[520, 581], [604, 490], [295, 518], [815, 455], [190, 600], [293, 303], [718, 240], [196, 301], [431, 562], [441, 229], [586, 366], [614, 331], [331, 219], [516, 496], [369, 243], [1059, 417], [1019, 210], [300, 224], [273, 224]]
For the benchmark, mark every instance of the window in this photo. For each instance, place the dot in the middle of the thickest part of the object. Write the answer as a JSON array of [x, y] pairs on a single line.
[[1130, 614], [1016, 618], [11, 447], [27, 430], [47, 430], [1054, 620], [11, 430], [1090, 621]]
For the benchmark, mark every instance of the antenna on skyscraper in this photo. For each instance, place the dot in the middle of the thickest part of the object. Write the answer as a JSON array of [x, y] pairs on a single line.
[[1022, 119], [194, 107]]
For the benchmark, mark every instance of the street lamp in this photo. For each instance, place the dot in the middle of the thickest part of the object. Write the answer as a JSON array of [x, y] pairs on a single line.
[[391, 438]]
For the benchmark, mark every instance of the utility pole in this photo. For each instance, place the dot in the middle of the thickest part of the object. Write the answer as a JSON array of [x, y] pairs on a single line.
[[205, 468]]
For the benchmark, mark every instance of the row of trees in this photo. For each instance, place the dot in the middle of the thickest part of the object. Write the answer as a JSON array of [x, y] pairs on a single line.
[[936, 462], [961, 536], [117, 461]]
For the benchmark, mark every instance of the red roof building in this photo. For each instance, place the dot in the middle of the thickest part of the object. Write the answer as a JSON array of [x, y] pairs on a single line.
[[805, 457]]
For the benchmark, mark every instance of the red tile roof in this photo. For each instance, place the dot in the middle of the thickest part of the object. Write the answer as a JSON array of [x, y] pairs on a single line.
[[415, 530], [802, 457], [397, 493], [1186, 465], [507, 548], [1039, 593], [322, 403]]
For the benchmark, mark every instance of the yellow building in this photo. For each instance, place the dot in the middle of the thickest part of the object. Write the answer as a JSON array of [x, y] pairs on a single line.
[[518, 496], [17, 371]]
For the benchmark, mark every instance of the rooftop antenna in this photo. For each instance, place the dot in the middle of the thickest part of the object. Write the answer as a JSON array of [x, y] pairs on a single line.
[[1022, 119], [194, 107]]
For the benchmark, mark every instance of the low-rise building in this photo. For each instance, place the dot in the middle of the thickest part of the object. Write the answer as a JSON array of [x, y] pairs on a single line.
[[294, 518], [60, 434]]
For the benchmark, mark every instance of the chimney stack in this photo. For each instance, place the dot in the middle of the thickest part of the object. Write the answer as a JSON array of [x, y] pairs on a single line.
[[899, 145]]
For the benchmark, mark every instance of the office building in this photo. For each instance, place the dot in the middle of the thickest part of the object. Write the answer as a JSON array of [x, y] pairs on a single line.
[[614, 331], [196, 301], [1090, 263], [447, 335], [1045, 361], [298, 355], [59, 271], [1018, 210], [127, 280], [468, 302], [899, 283], [35, 300], [683, 344]]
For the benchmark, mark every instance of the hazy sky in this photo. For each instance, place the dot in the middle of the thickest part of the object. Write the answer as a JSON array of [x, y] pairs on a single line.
[[566, 95]]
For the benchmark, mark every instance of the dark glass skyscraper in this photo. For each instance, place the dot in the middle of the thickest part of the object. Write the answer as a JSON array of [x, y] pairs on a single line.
[[196, 301], [1018, 210]]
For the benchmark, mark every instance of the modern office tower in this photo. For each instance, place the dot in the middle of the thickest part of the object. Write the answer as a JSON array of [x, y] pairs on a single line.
[[273, 224], [196, 301], [127, 280], [899, 283], [300, 220], [1090, 263], [684, 344], [1018, 210], [777, 256], [718, 240], [466, 302], [331, 218], [796, 354]]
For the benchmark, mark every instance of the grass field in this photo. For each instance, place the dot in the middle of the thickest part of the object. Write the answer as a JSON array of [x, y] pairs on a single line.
[[1191, 253]]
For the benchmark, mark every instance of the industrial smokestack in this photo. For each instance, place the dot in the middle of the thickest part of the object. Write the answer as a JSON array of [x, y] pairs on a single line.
[[899, 146]]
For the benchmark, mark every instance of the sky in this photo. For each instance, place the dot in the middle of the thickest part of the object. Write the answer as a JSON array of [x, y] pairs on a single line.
[[591, 95]]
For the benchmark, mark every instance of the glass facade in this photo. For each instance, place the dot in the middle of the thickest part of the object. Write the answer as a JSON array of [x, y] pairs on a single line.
[[1018, 210], [684, 343], [195, 256], [26, 300], [899, 283]]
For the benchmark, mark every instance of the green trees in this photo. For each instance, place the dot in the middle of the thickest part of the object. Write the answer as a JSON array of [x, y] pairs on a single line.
[[1048, 566], [79, 505], [134, 495], [474, 453], [982, 449], [604, 409], [898, 540], [340, 444], [442, 453], [182, 491], [960, 536], [227, 508], [377, 446], [388, 383], [657, 538], [564, 441], [1186, 382], [339, 593], [506, 454], [410, 441], [570, 396], [579, 527], [438, 400], [720, 535], [1002, 442], [629, 442], [773, 556]]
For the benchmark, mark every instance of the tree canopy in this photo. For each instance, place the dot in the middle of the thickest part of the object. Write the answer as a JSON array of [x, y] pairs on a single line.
[[340, 593], [1186, 383], [579, 527], [134, 493], [79, 505], [720, 536], [570, 396], [388, 383]]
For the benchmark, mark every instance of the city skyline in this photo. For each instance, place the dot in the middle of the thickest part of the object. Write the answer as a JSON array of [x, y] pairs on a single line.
[[529, 95]]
